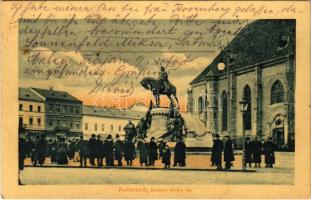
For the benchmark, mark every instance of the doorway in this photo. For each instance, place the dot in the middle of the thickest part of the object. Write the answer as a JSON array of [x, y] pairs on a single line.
[[20, 122], [278, 137]]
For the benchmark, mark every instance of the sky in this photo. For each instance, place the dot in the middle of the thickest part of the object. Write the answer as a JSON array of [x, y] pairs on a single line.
[[103, 63]]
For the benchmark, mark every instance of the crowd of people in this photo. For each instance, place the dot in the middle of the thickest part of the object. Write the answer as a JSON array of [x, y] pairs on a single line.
[[114, 151], [96, 150], [253, 152]]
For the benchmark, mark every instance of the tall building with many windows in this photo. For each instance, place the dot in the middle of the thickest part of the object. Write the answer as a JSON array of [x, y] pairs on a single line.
[[258, 65], [63, 113]]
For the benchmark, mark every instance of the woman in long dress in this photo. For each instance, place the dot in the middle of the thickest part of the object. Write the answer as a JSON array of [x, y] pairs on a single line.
[[62, 149]]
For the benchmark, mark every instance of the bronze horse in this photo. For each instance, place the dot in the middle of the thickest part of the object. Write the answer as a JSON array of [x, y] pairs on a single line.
[[153, 84]]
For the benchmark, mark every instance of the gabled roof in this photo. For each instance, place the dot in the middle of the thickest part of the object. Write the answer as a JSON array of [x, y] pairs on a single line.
[[112, 112], [28, 95], [257, 42], [52, 94]]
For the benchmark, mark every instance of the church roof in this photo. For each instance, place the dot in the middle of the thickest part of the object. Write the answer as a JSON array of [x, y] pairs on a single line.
[[257, 42], [112, 112]]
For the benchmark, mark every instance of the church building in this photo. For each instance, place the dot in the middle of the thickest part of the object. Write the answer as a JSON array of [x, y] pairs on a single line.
[[258, 67]]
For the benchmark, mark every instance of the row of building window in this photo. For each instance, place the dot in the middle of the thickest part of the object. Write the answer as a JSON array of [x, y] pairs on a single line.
[[86, 127], [64, 123], [57, 108], [248, 113], [60, 123], [63, 108], [30, 121], [30, 108], [277, 96]]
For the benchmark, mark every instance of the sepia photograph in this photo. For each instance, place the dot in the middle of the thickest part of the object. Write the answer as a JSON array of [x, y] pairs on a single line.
[[182, 97], [158, 98]]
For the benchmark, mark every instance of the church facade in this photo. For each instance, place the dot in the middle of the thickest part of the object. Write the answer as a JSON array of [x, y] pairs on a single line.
[[258, 66]]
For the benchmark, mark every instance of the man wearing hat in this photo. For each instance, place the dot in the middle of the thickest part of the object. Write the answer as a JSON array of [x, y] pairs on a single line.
[[92, 149], [40, 148], [217, 151], [248, 151], [268, 150], [118, 148], [109, 151], [228, 152], [180, 153], [99, 151], [153, 151], [257, 151], [129, 151], [82, 149], [143, 151]]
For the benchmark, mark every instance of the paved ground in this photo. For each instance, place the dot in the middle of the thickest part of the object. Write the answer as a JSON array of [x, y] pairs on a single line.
[[198, 171]]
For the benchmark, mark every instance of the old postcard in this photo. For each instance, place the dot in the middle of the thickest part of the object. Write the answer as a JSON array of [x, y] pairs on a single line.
[[155, 99]]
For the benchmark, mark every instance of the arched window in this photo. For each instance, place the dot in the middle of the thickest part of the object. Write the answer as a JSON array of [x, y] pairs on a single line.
[[224, 111], [248, 114], [200, 102], [277, 92]]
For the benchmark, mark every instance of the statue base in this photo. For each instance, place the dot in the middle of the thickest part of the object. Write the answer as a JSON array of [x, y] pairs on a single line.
[[159, 122]]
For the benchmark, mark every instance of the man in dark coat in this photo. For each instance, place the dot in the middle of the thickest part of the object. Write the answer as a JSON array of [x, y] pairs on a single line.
[[33, 150], [166, 159], [248, 151], [29, 147], [22, 148], [143, 152], [71, 149], [228, 153], [162, 146], [48, 151], [92, 149], [153, 151], [180, 153], [129, 152], [53, 148], [118, 148], [40, 148], [99, 151], [257, 151], [268, 149], [82, 148], [108, 146], [217, 151]]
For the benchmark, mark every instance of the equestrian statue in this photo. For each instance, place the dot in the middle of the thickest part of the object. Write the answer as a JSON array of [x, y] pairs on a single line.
[[160, 86]]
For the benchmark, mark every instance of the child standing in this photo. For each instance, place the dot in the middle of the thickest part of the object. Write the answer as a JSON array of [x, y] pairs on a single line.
[[166, 159]]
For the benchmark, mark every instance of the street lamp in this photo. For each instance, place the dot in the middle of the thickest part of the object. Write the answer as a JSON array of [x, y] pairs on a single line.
[[244, 106], [226, 64]]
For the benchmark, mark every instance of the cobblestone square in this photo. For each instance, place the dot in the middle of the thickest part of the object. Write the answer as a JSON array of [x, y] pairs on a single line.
[[197, 171]]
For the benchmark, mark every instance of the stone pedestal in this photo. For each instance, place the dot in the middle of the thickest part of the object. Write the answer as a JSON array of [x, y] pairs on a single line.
[[159, 122]]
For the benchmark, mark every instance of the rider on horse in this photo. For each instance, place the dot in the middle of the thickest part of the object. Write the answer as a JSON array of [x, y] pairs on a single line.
[[163, 80]]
